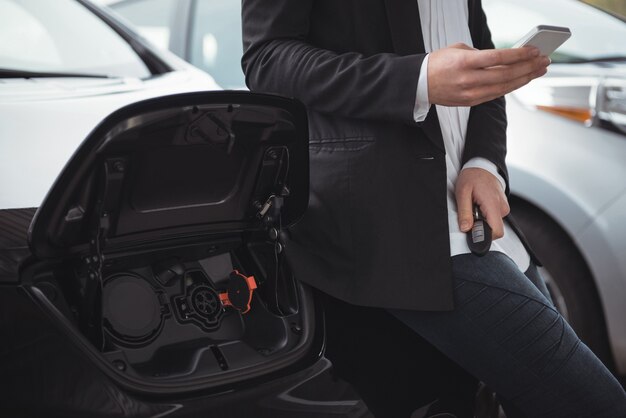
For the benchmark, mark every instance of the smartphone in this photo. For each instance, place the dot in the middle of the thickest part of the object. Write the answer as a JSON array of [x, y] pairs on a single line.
[[545, 38]]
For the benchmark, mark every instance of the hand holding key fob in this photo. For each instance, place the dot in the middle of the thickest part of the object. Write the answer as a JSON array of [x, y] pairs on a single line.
[[479, 237]]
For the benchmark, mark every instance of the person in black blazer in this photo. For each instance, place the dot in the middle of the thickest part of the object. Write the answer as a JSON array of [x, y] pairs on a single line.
[[376, 233], [354, 64]]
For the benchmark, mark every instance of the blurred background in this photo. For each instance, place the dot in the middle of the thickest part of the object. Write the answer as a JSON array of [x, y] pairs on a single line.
[[615, 6]]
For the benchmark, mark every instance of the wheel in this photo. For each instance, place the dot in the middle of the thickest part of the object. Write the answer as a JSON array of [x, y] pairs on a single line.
[[567, 276]]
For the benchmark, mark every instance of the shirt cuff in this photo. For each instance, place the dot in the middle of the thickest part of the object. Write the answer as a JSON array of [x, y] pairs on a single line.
[[485, 164], [422, 105]]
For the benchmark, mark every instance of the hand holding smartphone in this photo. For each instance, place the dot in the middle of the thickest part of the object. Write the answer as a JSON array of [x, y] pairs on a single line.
[[545, 38]]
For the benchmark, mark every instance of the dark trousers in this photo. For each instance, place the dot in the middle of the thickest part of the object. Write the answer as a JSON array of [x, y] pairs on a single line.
[[393, 369], [506, 332]]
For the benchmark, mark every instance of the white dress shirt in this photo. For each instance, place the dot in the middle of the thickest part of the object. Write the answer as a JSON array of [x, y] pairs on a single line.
[[445, 22]]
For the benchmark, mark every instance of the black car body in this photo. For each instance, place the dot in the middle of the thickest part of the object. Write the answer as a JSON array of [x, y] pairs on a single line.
[[120, 308]]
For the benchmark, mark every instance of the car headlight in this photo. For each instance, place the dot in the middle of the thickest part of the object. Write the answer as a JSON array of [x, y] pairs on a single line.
[[611, 102], [588, 100]]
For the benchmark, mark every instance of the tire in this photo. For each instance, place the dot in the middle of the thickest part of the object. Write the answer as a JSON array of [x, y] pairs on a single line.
[[568, 277]]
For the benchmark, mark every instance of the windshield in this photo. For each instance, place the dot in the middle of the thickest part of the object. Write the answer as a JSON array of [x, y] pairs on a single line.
[[62, 36], [595, 34], [213, 33]]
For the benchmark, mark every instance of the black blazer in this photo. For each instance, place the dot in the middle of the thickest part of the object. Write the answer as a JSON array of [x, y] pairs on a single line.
[[376, 232]]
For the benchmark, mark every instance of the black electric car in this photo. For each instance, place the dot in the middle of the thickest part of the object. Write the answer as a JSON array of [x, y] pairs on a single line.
[[155, 283], [150, 280]]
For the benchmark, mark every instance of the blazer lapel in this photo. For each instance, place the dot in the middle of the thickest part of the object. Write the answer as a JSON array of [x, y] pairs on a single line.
[[474, 30], [404, 24]]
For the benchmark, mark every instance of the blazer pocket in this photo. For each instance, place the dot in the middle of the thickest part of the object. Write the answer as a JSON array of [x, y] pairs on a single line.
[[355, 143]]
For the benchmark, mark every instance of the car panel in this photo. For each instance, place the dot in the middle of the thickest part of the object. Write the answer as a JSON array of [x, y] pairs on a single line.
[[573, 170], [575, 190], [604, 247], [30, 118], [173, 183], [14, 249], [535, 137]]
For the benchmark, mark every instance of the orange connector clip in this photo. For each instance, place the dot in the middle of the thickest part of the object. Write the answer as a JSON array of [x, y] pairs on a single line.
[[239, 292]]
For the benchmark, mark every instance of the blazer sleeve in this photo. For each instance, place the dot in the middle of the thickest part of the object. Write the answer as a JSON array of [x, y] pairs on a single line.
[[278, 59], [486, 128]]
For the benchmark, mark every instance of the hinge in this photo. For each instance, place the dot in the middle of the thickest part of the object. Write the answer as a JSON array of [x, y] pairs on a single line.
[[270, 191], [106, 208], [114, 171], [270, 211]]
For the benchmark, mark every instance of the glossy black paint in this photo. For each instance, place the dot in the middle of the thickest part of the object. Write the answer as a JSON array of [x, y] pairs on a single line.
[[13, 246], [44, 231], [50, 368], [44, 374]]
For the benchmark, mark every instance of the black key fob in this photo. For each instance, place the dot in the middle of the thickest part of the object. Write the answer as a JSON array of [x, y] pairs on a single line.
[[479, 237]]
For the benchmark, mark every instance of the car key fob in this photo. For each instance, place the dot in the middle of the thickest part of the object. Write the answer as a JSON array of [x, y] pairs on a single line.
[[479, 237]]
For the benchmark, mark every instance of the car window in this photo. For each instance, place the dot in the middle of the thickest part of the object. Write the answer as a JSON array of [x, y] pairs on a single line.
[[216, 44], [63, 36], [595, 34], [154, 19]]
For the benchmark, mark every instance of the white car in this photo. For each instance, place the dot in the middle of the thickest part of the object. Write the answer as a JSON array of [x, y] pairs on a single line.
[[567, 141], [69, 65], [567, 163]]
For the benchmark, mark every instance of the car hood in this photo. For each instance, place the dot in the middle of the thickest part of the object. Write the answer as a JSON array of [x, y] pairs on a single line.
[[56, 88], [42, 122]]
